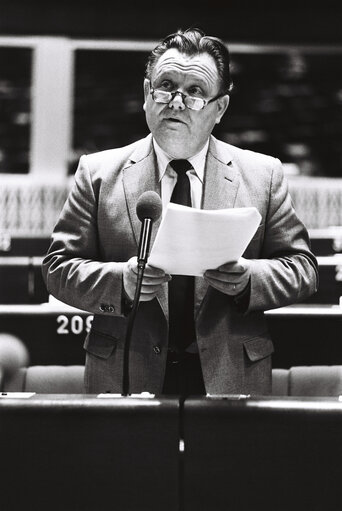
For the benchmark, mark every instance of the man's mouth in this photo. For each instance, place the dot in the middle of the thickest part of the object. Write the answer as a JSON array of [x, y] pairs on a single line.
[[173, 120]]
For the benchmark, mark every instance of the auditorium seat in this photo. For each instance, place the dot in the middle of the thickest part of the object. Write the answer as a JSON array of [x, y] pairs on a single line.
[[301, 381], [51, 379], [280, 382], [307, 381]]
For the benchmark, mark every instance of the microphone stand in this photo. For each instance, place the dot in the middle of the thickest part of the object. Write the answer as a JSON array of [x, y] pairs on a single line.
[[142, 260]]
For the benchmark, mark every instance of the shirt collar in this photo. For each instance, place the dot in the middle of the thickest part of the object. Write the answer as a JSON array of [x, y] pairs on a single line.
[[197, 161]]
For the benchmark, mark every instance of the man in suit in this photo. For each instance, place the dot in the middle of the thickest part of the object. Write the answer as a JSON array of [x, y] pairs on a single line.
[[191, 335]]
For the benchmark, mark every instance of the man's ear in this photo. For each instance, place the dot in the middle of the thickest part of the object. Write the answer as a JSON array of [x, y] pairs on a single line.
[[222, 105], [146, 91]]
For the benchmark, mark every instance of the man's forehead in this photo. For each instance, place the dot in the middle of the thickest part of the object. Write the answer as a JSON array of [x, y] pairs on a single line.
[[174, 60]]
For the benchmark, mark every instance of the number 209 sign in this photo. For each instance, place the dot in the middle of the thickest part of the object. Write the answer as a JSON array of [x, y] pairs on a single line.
[[75, 325]]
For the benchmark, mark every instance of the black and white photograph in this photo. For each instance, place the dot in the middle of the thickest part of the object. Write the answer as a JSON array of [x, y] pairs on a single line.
[[170, 255]]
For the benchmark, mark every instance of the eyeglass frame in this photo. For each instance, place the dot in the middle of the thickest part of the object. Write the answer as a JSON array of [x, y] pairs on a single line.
[[183, 96]]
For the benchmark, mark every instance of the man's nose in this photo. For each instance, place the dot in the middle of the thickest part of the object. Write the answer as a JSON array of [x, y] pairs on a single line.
[[177, 102]]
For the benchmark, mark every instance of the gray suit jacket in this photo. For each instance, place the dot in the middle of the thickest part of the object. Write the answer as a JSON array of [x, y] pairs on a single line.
[[98, 231]]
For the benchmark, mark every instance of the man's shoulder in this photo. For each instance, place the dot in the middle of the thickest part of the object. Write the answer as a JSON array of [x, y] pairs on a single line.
[[244, 157], [116, 157]]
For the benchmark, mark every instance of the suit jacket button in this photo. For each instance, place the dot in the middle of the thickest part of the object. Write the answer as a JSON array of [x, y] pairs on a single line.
[[156, 350], [103, 307], [110, 308]]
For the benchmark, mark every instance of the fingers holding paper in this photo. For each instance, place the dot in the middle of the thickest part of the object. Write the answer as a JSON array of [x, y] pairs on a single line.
[[152, 280], [230, 278]]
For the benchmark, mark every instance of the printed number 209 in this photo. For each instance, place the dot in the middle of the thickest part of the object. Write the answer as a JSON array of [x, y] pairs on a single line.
[[73, 325]]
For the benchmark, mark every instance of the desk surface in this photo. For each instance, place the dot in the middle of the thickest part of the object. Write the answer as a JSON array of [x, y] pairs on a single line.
[[84, 401], [46, 309], [306, 310], [42, 309], [140, 400]]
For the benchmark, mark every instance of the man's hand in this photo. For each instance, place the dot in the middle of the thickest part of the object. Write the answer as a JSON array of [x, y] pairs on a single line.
[[230, 278], [152, 280]]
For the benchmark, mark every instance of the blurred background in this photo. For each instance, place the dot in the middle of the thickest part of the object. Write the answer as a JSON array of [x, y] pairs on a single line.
[[71, 82]]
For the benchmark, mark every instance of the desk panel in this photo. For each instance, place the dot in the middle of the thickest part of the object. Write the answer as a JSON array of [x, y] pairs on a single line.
[[330, 280], [82, 452], [22, 281], [52, 334], [326, 241], [306, 335], [279, 455], [89, 454], [23, 245]]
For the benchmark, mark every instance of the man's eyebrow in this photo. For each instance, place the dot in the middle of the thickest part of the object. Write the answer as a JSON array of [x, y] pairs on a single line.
[[164, 75]]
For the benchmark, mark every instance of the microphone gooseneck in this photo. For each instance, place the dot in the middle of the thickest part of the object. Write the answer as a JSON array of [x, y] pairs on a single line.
[[149, 208]]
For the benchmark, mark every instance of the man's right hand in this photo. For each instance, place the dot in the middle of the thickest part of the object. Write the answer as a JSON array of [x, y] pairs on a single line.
[[152, 280]]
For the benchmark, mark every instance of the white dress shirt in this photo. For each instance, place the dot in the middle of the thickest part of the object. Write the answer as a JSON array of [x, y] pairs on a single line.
[[168, 177]]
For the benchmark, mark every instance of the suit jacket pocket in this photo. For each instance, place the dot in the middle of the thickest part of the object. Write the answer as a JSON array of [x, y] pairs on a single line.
[[100, 344], [258, 348]]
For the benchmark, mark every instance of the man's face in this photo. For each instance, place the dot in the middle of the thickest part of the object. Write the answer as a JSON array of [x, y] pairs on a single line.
[[179, 131]]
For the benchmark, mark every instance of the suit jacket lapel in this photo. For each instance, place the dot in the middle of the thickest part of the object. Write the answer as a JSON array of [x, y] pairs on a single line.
[[220, 190], [140, 174], [221, 183]]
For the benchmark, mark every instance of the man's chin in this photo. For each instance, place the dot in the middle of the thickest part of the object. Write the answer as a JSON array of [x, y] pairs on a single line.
[[175, 144]]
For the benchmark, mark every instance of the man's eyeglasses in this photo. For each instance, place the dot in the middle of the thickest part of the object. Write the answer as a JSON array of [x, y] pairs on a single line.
[[191, 102]]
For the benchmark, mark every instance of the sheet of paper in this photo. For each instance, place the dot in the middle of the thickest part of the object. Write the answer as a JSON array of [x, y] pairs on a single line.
[[190, 241]]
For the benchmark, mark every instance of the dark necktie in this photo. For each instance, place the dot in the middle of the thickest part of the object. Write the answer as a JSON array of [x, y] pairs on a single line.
[[181, 288]]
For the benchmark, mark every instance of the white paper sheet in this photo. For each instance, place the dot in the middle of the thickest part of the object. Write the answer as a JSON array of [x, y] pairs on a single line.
[[190, 241]]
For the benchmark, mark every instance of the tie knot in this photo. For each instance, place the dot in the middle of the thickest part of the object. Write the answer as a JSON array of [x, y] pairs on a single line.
[[180, 166]]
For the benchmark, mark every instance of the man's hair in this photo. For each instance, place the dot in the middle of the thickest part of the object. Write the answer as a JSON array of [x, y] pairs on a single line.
[[191, 42]]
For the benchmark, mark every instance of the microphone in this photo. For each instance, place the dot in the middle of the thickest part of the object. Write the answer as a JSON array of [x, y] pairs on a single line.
[[149, 208], [13, 355]]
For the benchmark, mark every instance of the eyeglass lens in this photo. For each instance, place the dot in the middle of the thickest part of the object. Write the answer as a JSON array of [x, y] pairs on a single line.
[[189, 101]]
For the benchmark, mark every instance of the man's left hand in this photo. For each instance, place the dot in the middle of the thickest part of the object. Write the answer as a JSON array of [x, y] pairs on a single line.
[[230, 278]]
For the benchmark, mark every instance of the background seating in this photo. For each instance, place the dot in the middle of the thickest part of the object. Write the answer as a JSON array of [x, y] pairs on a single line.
[[310, 381], [47, 380]]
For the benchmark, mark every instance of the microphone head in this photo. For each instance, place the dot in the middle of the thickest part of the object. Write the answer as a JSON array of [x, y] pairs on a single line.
[[149, 205]]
